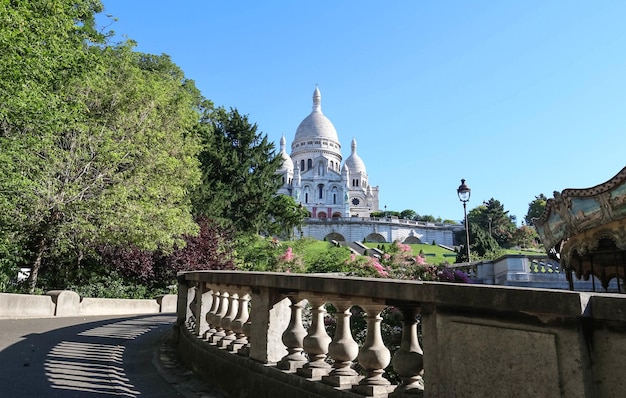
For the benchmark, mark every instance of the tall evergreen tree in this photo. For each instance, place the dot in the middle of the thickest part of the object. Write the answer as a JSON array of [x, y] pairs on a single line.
[[239, 180], [492, 217], [536, 208]]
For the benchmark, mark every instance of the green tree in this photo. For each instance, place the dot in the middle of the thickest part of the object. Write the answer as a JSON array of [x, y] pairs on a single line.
[[526, 236], [482, 244], [97, 148], [408, 214], [286, 216], [427, 218], [493, 218], [535, 208], [239, 168]]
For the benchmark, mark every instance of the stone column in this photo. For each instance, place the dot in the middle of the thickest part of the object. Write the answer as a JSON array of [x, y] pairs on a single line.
[[191, 306], [233, 307], [210, 316], [316, 343], [245, 349], [293, 338], [343, 349], [237, 325], [373, 356], [221, 313], [408, 361]]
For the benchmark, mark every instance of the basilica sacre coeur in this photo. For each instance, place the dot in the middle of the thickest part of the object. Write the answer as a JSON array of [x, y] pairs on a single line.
[[314, 175]]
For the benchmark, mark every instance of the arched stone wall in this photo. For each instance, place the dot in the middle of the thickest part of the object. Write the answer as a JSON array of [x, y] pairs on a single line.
[[334, 236], [375, 237], [412, 240], [356, 229]]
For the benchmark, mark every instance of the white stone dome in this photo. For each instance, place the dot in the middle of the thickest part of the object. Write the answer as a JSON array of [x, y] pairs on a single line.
[[316, 125], [354, 162]]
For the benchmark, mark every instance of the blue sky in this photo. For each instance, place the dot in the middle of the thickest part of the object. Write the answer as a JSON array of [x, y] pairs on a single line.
[[518, 98]]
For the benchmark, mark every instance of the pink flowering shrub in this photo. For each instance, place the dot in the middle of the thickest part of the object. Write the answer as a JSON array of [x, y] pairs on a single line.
[[290, 262], [398, 262], [287, 256]]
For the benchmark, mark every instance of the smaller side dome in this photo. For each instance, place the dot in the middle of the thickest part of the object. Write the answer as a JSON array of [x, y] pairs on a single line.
[[354, 162], [287, 165]]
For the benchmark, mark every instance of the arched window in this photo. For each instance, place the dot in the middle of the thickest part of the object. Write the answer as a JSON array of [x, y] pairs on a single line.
[[306, 191], [320, 189], [309, 164]]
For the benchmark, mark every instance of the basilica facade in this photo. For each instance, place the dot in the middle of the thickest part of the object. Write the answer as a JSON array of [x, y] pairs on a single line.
[[314, 175]]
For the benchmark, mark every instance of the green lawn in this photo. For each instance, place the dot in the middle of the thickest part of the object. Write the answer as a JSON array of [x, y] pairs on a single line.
[[433, 254], [526, 252], [310, 248]]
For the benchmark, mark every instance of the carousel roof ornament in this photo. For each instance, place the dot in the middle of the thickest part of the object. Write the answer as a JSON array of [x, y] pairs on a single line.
[[585, 229]]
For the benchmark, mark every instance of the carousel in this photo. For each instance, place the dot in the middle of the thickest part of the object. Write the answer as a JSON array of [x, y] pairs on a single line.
[[585, 230]]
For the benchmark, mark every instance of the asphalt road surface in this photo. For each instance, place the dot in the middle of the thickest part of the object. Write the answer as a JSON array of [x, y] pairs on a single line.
[[91, 357]]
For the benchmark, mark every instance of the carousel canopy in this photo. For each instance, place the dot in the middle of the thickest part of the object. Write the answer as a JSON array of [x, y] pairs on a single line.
[[585, 229]]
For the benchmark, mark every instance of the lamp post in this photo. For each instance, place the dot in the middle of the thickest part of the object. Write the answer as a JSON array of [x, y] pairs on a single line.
[[385, 211], [464, 195]]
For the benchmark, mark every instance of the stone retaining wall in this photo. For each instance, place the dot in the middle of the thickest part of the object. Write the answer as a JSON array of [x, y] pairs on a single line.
[[68, 303]]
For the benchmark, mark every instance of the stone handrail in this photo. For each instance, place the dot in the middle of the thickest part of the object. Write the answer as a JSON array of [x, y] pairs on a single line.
[[475, 340]]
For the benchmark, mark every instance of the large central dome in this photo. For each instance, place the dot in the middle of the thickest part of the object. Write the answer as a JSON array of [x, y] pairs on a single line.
[[316, 125]]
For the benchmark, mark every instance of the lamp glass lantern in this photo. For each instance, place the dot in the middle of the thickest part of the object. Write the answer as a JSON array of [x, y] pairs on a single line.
[[464, 192]]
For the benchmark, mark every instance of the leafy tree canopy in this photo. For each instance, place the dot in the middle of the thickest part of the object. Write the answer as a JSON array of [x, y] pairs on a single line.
[[96, 143], [492, 217], [535, 208], [239, 176], [408, 214]]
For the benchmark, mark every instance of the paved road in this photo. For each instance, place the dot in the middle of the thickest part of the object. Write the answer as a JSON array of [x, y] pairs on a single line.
[[91, 357]]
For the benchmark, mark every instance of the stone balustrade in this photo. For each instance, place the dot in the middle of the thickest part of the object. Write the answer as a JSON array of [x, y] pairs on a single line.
[[247, 332]]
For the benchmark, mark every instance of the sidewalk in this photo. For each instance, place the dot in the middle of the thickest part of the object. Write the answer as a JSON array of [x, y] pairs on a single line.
[[91, 357]]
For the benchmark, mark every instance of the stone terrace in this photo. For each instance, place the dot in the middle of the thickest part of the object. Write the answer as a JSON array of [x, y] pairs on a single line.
[[245, 332]]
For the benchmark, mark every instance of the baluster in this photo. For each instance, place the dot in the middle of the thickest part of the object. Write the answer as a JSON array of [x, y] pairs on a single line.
[[245, 350], [191, 306], [221, 313], [210, 316], [408, 361], [373, 356], [203, 304], [343, 349], [293, 338], [316, 342], [241, 339], [227, 320]]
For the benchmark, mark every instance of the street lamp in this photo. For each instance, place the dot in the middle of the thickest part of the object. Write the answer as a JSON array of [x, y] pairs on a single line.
[[385, 211], [464, 195]]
